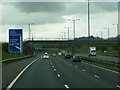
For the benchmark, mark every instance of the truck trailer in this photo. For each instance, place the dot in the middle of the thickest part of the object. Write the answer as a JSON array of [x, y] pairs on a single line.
[[92, 51]]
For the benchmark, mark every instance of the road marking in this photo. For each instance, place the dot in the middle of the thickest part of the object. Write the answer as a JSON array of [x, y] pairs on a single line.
[[96, 76], [83, 70], [18, 76], [118, 86], [54, 69], [102, 68], [76, 66], [66, 86], [58, 75], [52, 66]]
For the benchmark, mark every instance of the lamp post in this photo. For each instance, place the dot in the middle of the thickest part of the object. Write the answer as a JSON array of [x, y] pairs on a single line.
[[74, 20], [108, 31], [117, 29], [29, 28], [73, 47], [32, 37], [68, 32], [31, 44], [88, 29], [101, 34], [65, 35], [118, 39], [62, 35]]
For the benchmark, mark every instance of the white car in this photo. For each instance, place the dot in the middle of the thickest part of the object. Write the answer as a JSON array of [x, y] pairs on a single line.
[[45, 56], [54, 55]]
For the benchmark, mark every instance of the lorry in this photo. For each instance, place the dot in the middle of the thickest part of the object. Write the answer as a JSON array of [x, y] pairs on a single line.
[[92, 51], [59, 53]]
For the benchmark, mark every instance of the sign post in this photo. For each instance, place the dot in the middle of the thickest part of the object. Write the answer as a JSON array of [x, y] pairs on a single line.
[[15, 41]]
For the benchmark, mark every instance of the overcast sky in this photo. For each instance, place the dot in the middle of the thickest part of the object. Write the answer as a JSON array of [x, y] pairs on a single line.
[[50, 18]]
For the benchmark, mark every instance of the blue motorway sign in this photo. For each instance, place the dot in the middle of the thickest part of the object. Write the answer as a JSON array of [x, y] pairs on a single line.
[[38, 47], [15, 40]]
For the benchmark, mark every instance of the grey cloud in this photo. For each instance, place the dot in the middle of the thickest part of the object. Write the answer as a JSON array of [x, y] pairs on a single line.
[[37, 18], [95, 7], [107, 6], [65, 7], [40, 13], [47, 18], [75, 8], [30, 7], [50, 12]]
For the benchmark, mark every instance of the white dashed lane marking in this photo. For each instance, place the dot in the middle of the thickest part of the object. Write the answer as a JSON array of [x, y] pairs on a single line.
[[58, 75], [52, 66], [96, 76], [66, 86], [83, 70], [54, 69], [118, 86], [76, 66]]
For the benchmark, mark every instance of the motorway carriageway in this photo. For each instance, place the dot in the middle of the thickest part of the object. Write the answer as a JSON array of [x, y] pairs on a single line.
[[58, 72], [104, 58]]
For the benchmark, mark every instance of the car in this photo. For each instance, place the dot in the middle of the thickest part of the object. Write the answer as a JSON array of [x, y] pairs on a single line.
[[76, 59], [67, 56], [45, 56], [71, 55], [54, 55]]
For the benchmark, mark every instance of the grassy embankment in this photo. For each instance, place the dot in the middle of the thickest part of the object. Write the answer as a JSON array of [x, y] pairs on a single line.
[[6, 55], [9, 55], [108, 66]]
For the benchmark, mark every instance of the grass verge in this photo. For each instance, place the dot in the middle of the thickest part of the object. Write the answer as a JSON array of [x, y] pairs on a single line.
[[9, 55]]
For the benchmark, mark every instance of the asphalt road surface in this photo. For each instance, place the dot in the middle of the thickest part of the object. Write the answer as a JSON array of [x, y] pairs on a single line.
[[11, 70], [58, 72]]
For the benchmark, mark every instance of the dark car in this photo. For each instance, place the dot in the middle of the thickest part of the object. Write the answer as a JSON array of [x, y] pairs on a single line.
[[67, 56], [76, 59], [71, 55]]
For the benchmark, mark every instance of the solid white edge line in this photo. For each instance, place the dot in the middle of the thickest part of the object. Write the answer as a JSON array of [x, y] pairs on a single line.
[[17, 77], [66, 86], [101, 67], [118, 86]]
